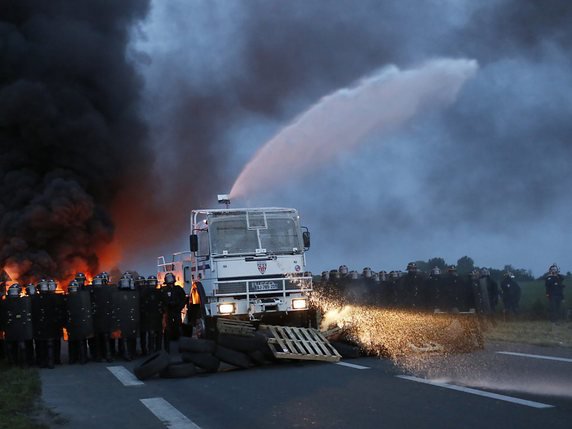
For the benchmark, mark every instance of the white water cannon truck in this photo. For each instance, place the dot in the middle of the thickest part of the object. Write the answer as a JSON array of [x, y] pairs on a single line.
[[247, 263]]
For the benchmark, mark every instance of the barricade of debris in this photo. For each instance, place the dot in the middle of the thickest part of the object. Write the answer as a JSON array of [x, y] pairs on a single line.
[[238, 345]]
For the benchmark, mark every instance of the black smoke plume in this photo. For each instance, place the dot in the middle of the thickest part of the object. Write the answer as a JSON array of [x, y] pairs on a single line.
[[70, 134]]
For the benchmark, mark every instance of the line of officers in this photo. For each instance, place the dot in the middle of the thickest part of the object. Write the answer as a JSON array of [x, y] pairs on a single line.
[[99, 320], [414, 289]]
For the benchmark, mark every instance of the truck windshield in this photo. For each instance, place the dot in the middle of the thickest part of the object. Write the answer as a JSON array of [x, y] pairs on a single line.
[[247, 232]]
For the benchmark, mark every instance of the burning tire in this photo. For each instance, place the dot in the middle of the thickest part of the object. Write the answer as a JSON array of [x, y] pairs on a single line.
[[346, 350], [233, 357], [205, 361], [151, 366], [241, 343], [195, 345], [179, 370]]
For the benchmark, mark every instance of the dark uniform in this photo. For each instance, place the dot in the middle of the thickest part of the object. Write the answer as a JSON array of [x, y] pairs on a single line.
[[410, 288], [431, 289], [126, 314], [17, 323], [174, 299], [103, 323], [48, 320], [554, 285], [510, 291], [151, 316], [79, 322]]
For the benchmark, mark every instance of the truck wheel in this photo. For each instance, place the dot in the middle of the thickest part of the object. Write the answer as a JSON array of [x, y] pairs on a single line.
[[179, 370], [205, 361], [154, 364], [196, 345]]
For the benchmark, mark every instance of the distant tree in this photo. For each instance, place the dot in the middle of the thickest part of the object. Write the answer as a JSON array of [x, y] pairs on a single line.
[[422, 266], [437, 262], [465, 265]]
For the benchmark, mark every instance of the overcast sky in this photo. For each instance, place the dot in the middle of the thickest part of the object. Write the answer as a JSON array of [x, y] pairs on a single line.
[[487, 176]]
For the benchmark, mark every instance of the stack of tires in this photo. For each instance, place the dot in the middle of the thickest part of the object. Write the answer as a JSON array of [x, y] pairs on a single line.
[[192, 356]]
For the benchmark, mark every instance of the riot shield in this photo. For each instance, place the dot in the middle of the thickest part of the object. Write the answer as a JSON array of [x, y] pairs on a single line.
[[79, 321], [151, 315], [126, 312], [102, 305], [47, 316], [18, 319]]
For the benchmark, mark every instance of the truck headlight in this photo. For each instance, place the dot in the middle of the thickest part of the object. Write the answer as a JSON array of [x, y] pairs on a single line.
[[227, 308], [299, 304]]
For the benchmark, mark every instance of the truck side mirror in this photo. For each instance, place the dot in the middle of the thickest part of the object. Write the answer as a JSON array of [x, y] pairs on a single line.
[[194, 241], [306, 239]]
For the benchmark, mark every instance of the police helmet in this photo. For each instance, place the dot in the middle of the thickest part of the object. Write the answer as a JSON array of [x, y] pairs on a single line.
[[343, 270], [382, 275], [554, 269], [325, 275], [452, 269], [411, 267], [140, 281], [152, 281], [30, 289], [125, 283], [52, 286], [98, 281], [14, 290], [354, 275], [435, 271], [170, 279], [80, 279], [367, 272], [73, 287], [394, 274], [43, 286]]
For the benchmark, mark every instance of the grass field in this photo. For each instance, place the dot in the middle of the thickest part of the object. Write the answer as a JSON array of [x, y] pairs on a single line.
[[537, 332], [20, 406]]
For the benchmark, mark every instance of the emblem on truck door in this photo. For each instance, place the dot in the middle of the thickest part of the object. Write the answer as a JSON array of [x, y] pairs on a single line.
[[261, 267]]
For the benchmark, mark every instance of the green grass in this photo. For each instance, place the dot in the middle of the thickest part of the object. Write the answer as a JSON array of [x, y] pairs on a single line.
[[20, 391], [538, 332]]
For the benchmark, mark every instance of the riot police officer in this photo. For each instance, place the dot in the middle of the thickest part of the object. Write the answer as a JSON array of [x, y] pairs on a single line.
[[409, 288], [174, 300], [47, 315], [79, 322], [554, 285], [510, 292], [431, 289], [151, 317], [102, 308], [126, 307], [18, 329]]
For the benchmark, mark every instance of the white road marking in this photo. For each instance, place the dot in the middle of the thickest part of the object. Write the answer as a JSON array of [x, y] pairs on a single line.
[[479, 392], [352, 365], [537, 356], [168, 414], [124, 376]]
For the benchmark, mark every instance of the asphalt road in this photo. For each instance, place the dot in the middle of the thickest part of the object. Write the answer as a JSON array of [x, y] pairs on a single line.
[[533, 388]]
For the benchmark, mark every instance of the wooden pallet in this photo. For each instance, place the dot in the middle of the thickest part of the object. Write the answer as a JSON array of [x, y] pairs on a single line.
[[300, 343], [235, 327]]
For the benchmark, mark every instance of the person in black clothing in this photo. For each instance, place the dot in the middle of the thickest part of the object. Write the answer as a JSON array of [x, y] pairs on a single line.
[[409, 289], [555, 292], [510, 292], [174, 300], [431, 289]]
